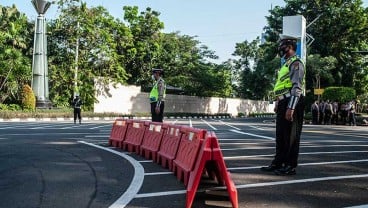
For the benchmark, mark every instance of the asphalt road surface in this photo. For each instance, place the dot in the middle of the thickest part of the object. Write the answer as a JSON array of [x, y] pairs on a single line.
[[59, 164]]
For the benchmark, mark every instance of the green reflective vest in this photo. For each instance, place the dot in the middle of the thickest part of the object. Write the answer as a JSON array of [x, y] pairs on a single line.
[[283, 82], [154, 92]]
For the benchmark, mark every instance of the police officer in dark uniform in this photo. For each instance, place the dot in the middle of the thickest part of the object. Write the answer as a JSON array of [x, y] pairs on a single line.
[[157, 96], [77, 103], [290, 109]]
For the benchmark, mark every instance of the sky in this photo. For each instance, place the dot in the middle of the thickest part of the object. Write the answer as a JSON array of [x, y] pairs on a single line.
[[218, 24]]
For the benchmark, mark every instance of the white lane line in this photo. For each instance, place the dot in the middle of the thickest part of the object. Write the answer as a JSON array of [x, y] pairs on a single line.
[[174, 122], [208, 124], [230, 125], [257, 167], [158, 173], [97, 127], [144, 161], [164, 193], [136, 183], [190, 123], [98, 136], [254, 185], [303, 146], [255, 135], [304, 164], [55, 126], [254, 127], [303, 153], [308, 180]]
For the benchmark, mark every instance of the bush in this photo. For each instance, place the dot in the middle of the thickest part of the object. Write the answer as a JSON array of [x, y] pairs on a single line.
[[28, 98], [3, 107], [340, 94]]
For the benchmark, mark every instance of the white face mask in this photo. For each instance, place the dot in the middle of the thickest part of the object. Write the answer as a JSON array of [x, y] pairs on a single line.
[[153, 77]]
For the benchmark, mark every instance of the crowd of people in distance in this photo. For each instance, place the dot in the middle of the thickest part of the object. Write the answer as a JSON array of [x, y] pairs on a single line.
[[327, 113]]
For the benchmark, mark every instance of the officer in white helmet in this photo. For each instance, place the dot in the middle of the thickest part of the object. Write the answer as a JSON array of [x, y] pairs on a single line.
[[157, 96], [289, 98]]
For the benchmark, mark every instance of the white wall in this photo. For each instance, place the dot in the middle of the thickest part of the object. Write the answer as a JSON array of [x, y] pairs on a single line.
[[129, 100]]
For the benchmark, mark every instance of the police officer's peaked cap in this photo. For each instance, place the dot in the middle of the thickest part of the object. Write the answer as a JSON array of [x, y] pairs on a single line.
[[157, 70], [288, 37], [288, 40]]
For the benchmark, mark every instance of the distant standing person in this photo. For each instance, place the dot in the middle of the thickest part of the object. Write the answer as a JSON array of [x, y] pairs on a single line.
[[77, 103], [157, 96], [315, 112], [351, 111]]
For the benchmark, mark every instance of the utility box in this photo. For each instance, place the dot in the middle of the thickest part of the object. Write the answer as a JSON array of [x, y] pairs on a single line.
[[295, 26]]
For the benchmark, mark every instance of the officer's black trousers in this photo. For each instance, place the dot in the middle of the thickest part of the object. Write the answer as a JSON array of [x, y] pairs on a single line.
[[288, 134], [157, 117], [77, 113]]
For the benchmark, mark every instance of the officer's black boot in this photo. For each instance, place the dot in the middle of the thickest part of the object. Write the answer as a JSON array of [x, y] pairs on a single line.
[[80, 121]]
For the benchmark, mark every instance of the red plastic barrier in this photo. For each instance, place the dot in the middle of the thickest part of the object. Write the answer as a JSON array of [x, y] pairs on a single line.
[[186, 157], [118, 132], [210, 158], [152, 140], [134, 136], [169, 146], [205, 155]]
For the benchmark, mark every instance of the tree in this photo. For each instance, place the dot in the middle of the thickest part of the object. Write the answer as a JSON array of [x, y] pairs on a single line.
[[101, 40], [15, 68], [347, 18], [145, 28]]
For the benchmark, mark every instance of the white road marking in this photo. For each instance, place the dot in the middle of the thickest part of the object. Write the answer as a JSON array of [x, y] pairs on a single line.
[[98, 136], [304, 164], [136, 183], [101, 126], [255, 135], [254, 185], [158, 173], [230, 125], [308, 180], [303, 153], [303, 146], [256, 128], [190, 123], [208, 124], [41, 127], [257, 167]]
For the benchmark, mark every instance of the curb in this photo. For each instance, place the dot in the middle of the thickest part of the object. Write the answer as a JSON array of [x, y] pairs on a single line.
[[57, 119], [95, 118]]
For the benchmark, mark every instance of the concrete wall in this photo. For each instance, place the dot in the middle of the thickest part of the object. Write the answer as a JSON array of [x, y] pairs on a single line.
[[129, 100]]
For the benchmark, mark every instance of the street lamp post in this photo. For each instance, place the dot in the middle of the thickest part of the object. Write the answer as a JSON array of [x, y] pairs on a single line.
[[40, 85]]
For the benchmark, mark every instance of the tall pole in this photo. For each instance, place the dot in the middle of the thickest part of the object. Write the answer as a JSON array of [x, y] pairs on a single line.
[[40, 85], [76, 90]]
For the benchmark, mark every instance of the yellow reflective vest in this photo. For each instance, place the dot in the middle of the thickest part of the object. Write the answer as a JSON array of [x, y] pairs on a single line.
[[283, 82], [154, 92]]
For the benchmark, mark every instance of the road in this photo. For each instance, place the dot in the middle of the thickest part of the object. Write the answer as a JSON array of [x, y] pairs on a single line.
[[59, 164]]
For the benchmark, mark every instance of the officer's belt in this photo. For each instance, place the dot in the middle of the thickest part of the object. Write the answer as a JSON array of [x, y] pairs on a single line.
[[281, 97], [281, 92]]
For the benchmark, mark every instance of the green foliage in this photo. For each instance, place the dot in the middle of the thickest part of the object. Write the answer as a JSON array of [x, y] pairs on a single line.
[[28, 98], [15, 55], [346, 32], [101, 42], [340, 94]]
